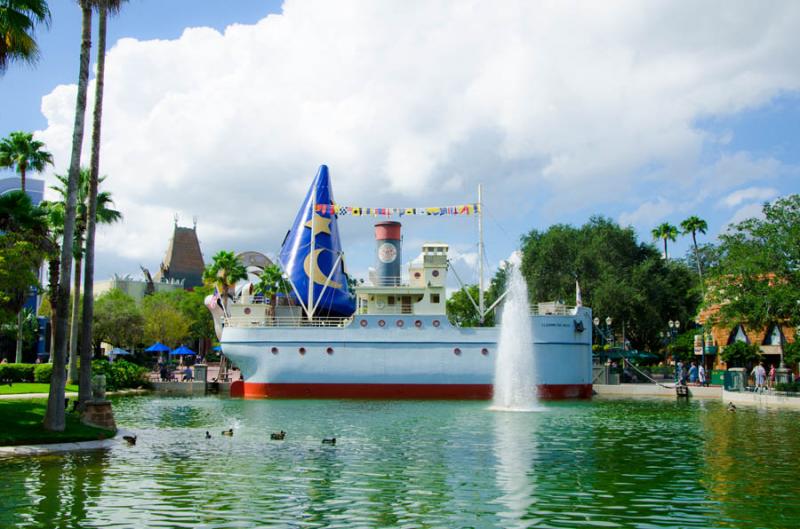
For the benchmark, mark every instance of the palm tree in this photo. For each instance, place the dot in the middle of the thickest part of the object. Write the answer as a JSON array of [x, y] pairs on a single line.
[[271, 283], [665, 231], [21, 152], [223, 273], [105, 215], [85, 386], [18, 19], [55, 219], [54, 416], [693, 225]]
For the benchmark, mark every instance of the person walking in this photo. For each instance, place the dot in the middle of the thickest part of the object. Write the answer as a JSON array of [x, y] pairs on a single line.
[[693, 374], [760, 375], [771, 377]]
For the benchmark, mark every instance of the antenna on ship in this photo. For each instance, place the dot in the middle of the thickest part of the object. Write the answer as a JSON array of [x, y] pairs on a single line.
[[481, 311]]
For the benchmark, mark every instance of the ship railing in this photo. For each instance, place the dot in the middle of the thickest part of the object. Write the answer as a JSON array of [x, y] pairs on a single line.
[[389, 281], [387, 309], [248, 321], [552, 309]]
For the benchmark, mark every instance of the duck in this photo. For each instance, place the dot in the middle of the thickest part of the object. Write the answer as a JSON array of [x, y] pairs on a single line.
[[731, 406], [327, 441], [228, 432], [278, 436], [208, 435], [130, 439]]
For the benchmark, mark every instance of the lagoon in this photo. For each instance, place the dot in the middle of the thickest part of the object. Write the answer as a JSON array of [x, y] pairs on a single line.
[[605, 463]]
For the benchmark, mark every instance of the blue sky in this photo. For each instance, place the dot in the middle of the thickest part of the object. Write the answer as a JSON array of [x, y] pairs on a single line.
[[644, 114]]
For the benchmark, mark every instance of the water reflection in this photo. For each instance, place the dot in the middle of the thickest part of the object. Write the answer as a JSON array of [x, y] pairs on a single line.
[[515, 441]]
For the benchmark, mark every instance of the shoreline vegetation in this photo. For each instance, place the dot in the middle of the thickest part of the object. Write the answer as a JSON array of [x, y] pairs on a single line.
[[22, 425]]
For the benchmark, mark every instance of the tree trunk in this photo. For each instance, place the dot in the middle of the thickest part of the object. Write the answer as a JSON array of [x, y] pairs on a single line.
[[697, 259], [22, 178], [20, 321], [666, 255], [53, 293], [54, 417], [72, 377], [85, 389]]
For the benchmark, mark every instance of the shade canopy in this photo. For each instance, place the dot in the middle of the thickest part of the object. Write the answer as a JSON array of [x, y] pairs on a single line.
[[118, 351], [183, 351], [157, 347]]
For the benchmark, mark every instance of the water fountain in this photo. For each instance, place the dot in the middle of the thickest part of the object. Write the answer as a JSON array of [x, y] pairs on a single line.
[[515, 372]]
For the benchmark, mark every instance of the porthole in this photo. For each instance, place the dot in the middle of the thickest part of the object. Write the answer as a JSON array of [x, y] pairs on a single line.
[[247, 310], [484, 351], [435, 273], [274, 350], [436, 323], [381, 323], [418, 324], [457, 351], [400, 323], [329, 350], [417, 275], [363, 323], [302, 350]]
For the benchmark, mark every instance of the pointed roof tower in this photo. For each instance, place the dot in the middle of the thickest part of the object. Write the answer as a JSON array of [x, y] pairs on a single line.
[[184, 259]]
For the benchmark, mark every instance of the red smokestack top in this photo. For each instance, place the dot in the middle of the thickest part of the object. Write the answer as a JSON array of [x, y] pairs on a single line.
[[389, 230]]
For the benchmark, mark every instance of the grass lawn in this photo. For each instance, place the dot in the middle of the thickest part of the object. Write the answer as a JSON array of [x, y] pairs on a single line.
[[30, 387], [22, 424]]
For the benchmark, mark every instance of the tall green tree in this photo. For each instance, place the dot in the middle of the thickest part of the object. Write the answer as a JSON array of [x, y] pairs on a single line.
[[619, 276], [24, 245], [118, 320], [104, 7], [666, 232], [694, 225], [223, 273], [22, 153], [757, 280], [18, 21], [105, 214], [54, 419], [163, 320]]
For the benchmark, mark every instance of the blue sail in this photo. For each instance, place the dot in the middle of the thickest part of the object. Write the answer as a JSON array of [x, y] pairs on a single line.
[[295, 255]]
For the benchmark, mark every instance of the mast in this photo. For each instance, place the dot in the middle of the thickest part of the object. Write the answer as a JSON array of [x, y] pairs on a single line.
[[481, 311], [312, 261]]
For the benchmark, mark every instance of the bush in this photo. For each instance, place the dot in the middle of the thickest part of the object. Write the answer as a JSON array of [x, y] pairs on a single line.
[[120, 374], [42, 373], [791, 387], [739, 354], [16, 372], [791, 353]]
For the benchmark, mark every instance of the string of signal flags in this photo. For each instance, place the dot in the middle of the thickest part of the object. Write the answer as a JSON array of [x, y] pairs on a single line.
[[353, 211]]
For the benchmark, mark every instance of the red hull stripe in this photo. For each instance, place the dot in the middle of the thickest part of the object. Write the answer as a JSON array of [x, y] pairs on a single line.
[[402, 391]]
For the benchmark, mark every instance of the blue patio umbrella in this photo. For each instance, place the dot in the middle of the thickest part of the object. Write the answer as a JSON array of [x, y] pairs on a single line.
[[183, 351], [118, 351], [158, 347]]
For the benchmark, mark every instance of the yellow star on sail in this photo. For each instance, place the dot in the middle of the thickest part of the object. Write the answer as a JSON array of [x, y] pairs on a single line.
[[321, 224]]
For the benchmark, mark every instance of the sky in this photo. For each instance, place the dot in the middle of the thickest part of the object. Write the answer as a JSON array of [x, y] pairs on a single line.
[[644, 112]]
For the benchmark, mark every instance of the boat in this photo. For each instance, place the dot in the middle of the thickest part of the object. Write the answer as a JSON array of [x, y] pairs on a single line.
[[389, 338]]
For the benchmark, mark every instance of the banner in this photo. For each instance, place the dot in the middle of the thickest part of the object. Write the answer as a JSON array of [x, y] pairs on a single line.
[[355, 211]]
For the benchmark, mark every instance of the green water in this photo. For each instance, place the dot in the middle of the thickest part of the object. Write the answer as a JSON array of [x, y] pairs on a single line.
[[606, 463]]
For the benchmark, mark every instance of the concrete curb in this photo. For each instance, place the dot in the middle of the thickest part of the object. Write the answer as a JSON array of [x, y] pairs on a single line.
[[54, 448], [654, 390]]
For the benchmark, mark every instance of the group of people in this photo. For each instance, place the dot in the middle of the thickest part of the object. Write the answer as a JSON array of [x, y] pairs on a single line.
[[695, 375], [167, 375], [762, 378]]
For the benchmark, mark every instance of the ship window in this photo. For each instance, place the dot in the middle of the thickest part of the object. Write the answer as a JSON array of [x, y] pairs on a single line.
[[417, 275], [434, 298], [391, 300], [435, 273]]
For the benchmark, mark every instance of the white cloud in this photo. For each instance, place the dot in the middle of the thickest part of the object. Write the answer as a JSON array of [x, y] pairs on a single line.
[[648, 213], [417, 102], [748, 195], [746, 212]]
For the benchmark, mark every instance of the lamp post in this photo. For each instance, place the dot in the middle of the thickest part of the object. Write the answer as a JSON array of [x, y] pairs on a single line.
[[674, 325]]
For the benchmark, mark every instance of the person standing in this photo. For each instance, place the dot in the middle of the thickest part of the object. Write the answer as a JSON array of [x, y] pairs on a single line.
[[760, 375], [771, 376], [701, 375], [693, 374]]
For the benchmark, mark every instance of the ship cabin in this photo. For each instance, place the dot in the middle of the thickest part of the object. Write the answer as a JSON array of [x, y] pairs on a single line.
[[423, 293]]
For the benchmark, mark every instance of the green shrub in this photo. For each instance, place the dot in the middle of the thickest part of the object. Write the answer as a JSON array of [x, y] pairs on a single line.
[[42, 373], [791, 353], [120, 374], [739, 354], [792, 387], [16, 372]]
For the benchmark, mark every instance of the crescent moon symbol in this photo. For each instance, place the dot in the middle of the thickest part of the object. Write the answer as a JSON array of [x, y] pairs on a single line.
[[319, 277]]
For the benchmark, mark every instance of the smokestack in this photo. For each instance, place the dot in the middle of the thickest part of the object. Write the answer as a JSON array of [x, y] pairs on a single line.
[[388, 249]]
